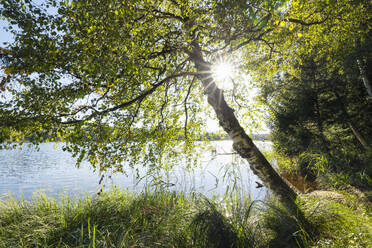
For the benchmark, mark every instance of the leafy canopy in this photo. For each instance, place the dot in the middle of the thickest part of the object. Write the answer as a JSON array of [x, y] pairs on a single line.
[[113, 79]]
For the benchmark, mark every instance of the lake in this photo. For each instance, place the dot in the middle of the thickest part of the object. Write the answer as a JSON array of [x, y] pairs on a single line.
[[52, 171]]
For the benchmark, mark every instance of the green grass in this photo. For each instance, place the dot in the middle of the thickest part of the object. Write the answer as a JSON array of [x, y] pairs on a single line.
[[345, 222], [165, 219]]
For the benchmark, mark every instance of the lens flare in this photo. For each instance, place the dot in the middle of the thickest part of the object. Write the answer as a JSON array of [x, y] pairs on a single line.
[[222, 74]]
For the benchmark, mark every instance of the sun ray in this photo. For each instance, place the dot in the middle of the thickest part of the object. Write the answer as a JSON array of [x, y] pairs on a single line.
[[222, 73]]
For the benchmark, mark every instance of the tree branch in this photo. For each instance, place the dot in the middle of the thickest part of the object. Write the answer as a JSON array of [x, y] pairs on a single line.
[[293, 20], [136, 99], [259, 37]]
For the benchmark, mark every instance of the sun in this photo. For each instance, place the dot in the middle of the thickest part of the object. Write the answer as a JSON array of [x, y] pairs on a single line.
[[222, 73]]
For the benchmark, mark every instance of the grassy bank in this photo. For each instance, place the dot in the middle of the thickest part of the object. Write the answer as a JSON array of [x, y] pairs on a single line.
[[123, 219]]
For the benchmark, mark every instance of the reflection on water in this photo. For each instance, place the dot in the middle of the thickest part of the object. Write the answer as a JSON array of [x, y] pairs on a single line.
[[23, 172]]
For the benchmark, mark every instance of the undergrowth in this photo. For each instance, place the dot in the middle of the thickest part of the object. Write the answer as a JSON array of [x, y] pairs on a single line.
[[169, 219]]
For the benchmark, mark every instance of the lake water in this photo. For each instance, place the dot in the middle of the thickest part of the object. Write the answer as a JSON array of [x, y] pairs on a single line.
[[52, 171]]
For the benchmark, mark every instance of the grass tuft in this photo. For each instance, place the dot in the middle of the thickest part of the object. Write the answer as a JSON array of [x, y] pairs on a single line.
[[169, 219]]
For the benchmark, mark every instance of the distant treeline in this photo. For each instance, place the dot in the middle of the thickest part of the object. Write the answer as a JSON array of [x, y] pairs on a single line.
[[215, 137], [205, 136]]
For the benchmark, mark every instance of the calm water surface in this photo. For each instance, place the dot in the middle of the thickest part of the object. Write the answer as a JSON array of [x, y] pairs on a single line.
[[52, 171]]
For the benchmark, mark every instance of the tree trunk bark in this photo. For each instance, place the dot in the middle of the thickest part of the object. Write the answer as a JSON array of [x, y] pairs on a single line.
[[319, 119], [365, 79], [359, 137], [242, 143], [355, 131]]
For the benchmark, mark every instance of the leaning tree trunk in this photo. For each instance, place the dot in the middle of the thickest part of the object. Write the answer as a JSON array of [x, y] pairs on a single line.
[[242, 143], [359, 137], [347, 117], [363, 73]]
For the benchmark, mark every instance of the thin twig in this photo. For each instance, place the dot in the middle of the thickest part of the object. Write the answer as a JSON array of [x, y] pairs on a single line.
[[185, 103]]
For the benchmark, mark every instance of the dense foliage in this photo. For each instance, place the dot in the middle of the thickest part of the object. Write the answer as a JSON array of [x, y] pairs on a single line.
[[321, 109]]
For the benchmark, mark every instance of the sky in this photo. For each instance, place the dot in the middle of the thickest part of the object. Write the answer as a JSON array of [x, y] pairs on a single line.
[[4, 36]]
